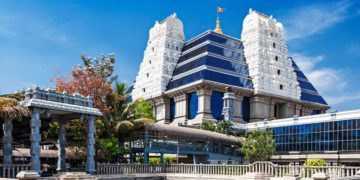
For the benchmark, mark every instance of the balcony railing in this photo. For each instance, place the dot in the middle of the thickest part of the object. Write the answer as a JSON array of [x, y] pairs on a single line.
[[10, 171], [267, 168]]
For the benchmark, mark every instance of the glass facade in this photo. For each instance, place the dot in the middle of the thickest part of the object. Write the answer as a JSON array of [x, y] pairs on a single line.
[[326, 136], [216, 105], [192, 105]]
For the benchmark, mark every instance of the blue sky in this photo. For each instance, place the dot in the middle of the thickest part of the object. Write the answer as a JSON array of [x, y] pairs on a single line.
[[40, 39]]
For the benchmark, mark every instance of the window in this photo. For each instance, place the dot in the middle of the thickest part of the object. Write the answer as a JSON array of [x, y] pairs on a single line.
[[274, 45], [153, 49], [143, 90], [278, 71], [147, 74], [276, 58], [177, 48], [281, 86], [149, 61], [271, 34]]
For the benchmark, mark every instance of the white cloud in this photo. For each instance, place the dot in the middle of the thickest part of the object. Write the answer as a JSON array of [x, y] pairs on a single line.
[[334, 100], [24, 27], [309, 20], [322, 78]]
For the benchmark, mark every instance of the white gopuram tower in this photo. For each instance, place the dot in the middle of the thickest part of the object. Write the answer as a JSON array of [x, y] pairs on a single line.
[[161, 55], [266, 53]]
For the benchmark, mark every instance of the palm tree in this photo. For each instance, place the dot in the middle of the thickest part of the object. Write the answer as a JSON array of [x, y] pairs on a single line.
[[126, 117], [9, 109], [131, 116]]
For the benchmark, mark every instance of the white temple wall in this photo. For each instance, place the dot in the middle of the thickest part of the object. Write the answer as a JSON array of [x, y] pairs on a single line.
[[163, 50], [266, 53]]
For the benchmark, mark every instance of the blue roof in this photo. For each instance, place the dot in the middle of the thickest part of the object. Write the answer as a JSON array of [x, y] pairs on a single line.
[[213, 57], [220, 59], [308, 91]]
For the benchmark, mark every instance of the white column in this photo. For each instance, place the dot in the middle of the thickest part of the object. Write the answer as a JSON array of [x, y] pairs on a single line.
[[204, 97], [228, 109], [180, 109], [90, 151], [238, 109], [35, 138], [7, 141], [204, 107], [61, 165]]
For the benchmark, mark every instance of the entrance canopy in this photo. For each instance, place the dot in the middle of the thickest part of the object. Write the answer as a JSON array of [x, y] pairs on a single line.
[[48, 104]]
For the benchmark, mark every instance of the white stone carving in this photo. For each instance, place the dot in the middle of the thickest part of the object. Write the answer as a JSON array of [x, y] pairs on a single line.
[[161, 55], [267, 56]]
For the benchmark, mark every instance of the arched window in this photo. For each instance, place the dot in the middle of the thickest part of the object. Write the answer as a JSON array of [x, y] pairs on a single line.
[[192, 105], [216, 104]]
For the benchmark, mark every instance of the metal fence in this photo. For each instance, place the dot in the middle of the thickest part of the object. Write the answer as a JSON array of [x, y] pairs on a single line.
[[10, 171], [267, 168]]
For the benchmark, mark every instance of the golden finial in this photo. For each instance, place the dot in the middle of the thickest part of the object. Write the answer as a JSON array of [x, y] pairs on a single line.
[[218, 28]]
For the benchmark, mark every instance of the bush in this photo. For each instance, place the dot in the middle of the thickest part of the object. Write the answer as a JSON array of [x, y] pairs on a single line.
[[315, 162], [170, 160]]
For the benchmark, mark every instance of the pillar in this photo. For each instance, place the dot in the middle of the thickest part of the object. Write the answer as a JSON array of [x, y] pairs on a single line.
[[180, 109], [228, 107], [162, 158], [238, 109], [7, 141], [90, 152], [146, 147], [35, 138], [61, 165], [204, 106], [146, 158], [162, 109]]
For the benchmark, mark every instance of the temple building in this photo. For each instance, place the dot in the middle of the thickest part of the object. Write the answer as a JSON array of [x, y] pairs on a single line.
[[252, 81], [192, 81]]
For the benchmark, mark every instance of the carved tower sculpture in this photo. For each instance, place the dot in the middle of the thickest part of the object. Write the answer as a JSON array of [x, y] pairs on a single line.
[[163, 50], [266, 53]]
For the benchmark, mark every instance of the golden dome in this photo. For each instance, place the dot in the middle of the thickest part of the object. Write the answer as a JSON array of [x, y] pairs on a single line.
[[218, 28]]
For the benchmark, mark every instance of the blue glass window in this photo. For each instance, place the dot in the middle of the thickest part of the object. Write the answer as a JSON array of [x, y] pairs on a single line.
[[192, 105], [212, 76], [215, 62], [216, 105], [245, 109], [300, 74], [312, 98], [215, 38], [172, 109], [307, 85], [327, 136]]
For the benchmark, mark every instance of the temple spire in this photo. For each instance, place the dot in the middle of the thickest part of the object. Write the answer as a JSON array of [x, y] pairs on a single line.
[[218, 28]]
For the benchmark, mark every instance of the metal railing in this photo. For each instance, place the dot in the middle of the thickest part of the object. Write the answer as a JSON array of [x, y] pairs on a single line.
[[267, 168], [10, 171]]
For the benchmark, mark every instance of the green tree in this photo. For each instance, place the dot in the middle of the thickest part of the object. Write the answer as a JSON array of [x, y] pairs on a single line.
[[110, 148], [220, 127], [143, 110], [259, 145]]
